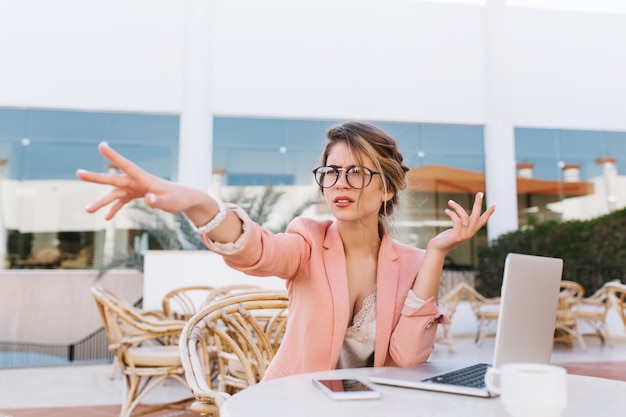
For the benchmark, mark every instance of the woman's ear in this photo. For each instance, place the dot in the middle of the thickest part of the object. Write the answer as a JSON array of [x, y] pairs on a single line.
[[387, 195]]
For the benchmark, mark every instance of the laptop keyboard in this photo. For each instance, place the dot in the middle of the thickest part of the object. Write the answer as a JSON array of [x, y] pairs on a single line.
[[471, 376]]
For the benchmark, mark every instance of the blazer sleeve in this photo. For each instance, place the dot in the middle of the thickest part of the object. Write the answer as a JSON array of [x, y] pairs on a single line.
[[413, 338], [263, 253]]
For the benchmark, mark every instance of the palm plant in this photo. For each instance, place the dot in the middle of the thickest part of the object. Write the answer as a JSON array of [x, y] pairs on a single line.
[[172, 231]]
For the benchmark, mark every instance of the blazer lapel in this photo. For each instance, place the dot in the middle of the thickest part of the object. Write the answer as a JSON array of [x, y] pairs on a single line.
[[387, 279], [335, 268]]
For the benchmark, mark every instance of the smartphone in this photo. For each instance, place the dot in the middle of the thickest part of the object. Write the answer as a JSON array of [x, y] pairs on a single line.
[[346, 389]]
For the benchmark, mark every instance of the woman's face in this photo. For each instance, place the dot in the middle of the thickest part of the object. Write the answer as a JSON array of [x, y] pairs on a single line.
[[346, 202]]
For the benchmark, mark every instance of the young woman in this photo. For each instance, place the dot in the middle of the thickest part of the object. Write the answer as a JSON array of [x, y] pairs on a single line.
[[357, 297]]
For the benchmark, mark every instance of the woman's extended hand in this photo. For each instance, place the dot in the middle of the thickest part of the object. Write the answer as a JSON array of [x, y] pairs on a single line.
[[465, 225], [135, 183]]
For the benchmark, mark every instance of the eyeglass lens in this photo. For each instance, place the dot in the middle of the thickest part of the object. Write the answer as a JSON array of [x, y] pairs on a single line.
[[357, 177]]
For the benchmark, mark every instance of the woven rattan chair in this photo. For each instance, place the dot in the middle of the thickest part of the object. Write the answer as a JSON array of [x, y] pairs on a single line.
[[449, 302], [485, 309], [182, 303], [616, 294], [140, 344], [566, 328], [246, 331], [593, 310]]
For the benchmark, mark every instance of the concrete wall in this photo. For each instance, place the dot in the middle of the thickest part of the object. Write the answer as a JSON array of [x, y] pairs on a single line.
[[55, 306], [168, 270], [380, 60]]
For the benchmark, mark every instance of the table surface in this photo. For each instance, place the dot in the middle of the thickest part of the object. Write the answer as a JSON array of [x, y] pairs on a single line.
[[296, 396]]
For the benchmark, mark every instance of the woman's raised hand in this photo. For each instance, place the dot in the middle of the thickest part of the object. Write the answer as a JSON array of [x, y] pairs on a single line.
[[464, 225], [135, 183]]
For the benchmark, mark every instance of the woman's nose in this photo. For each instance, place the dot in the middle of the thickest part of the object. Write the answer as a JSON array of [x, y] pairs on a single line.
[[342, 180]]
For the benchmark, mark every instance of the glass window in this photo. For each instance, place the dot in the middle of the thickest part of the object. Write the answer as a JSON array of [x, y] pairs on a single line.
[[575, 184], [48, 145], [271, 149]]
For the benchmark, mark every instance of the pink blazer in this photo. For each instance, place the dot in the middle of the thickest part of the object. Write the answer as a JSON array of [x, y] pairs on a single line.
[[310, 257]]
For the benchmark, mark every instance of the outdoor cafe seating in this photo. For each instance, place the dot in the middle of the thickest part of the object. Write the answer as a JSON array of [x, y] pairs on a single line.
[[575, 312], [241, 333], [485, 309], [219, 341], [144, 351]]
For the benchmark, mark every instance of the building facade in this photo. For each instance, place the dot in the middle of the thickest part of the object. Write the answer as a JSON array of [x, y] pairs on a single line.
[[247, 89]]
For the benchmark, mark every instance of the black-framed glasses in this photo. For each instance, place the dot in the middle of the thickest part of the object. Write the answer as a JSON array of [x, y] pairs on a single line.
[[357, 177]]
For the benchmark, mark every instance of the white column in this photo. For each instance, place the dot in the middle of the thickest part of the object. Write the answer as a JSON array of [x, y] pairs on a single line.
[[611, 181], [3, 231], [196, 119], [500, 165]]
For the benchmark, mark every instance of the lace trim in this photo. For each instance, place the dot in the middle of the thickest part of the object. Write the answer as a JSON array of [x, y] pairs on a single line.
[[361, 318]]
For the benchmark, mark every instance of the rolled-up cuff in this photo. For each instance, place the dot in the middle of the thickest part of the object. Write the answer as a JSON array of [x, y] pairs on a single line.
[[415, 306]]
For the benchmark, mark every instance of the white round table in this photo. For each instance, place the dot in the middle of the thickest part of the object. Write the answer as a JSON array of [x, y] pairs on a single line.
[[296, 396]]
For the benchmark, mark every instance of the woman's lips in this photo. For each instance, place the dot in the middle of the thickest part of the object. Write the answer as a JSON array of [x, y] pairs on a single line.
[[343, 201]]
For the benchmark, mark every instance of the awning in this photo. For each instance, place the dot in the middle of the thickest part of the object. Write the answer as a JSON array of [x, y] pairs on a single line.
[[445, 179]]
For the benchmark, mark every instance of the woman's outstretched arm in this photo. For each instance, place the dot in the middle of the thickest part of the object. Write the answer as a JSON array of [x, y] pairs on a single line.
[[136, 183]]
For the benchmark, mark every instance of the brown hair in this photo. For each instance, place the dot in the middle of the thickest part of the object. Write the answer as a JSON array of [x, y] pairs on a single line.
[[383, 150]]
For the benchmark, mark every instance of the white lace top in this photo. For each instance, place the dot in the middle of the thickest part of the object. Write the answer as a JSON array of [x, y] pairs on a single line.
[[359, 343], [358, 346]]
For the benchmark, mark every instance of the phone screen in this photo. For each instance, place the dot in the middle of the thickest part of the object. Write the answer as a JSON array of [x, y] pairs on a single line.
[[346, 388], [343, 385]]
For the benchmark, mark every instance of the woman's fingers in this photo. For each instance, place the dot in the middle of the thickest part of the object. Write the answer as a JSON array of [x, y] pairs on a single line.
[[132, 170], [473, 221], [114, 209], [123, 164], [115, 195], [133, 183], [102, 178], [457, 214]]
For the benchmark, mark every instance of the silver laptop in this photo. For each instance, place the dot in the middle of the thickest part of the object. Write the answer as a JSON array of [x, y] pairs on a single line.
[[525, 332]]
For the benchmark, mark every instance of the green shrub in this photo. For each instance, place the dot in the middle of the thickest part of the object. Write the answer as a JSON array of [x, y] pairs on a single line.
[[593, 251]]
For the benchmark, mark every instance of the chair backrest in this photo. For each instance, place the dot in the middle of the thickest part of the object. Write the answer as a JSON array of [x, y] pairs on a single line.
[[571, 294], [616, 295], [451, 299], [225, 291], [182, 303], [127, 326], [478, 301], [570, 297], [598, 304], [241, 333]]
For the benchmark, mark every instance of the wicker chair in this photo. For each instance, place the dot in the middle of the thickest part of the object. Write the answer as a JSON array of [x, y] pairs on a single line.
[[593, 310], [182, 303], [449, 302], [486, 310], [245, 331], [616, 294], [566, 328], [140, 344]]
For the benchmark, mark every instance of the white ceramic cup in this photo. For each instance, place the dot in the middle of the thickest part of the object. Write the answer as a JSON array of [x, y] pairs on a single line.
[[529, 389]]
